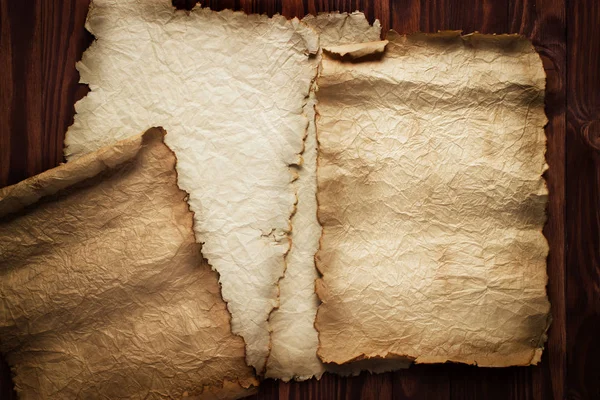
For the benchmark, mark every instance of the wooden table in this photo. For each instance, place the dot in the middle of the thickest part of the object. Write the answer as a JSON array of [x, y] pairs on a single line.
[[40, 41]]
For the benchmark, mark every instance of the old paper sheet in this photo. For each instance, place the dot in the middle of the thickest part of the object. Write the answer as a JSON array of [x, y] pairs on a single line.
[[432, 202], [105, 293], [230, 89], [294, 338]]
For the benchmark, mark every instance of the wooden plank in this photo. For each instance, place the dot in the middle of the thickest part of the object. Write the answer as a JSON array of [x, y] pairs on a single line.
[[7, 92], [381, 11], [583, 200], [46, 39], [7, 83], [487, 16], [293, 8], [433, 15], [21, 33], [405, 16]]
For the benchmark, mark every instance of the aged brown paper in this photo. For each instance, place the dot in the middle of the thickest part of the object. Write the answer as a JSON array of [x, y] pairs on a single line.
[[231, 90], [432, 201], [105, 293], [294, 339]]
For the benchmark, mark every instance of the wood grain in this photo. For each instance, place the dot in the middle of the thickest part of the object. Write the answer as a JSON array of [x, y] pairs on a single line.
[[7, 96], [40, 41], [583, 200], [545, 26]]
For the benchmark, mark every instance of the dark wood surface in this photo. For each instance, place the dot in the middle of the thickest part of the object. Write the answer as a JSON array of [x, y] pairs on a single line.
[[40, 41]]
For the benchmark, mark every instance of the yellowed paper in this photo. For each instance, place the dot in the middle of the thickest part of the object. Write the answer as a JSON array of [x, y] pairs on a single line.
[[432, 202], [343, 28], [105, 292], [294, 338], [230, 89]]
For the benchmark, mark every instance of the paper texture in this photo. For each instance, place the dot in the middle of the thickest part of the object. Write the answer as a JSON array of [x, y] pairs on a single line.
[[343, 28], [230, 89], [294, 338], [105, 293], [432, 201]]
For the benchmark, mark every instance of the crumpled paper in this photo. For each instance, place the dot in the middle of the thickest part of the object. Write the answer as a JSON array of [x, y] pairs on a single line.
[[432, 201], [231, 90], [294, 338], [236, 93], [104, 290]]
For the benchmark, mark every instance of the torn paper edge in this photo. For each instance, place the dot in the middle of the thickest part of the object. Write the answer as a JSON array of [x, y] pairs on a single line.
[[357, 50], [17, 197], [375, 365], [320, 286], [311, 42], [313, 52]]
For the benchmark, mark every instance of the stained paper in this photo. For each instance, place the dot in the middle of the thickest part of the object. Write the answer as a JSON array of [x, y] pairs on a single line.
[[294, 338], [429, 180], [343, 28], [231, 90], [431, 198], [105, 293]]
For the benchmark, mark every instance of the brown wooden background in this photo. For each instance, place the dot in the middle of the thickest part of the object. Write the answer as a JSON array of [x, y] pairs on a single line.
[[40, 41]]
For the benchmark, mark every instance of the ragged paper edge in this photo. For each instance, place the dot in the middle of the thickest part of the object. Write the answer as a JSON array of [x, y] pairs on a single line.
[[229, 388], [532, 357], [26, 193], [294, 172], [358, 50], [311, 41], [376, 365], [294, 176]]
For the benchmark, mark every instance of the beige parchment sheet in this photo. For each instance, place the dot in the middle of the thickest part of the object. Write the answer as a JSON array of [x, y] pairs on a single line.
[[104, 290], [294, 339], [432, 202], [231, 90]]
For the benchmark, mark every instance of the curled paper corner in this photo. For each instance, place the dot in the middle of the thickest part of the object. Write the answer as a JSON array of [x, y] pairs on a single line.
[[358, 50], [16, 197], [133, 186]]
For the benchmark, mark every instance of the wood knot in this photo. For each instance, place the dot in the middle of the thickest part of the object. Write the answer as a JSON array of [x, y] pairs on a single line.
[[591, 133]]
